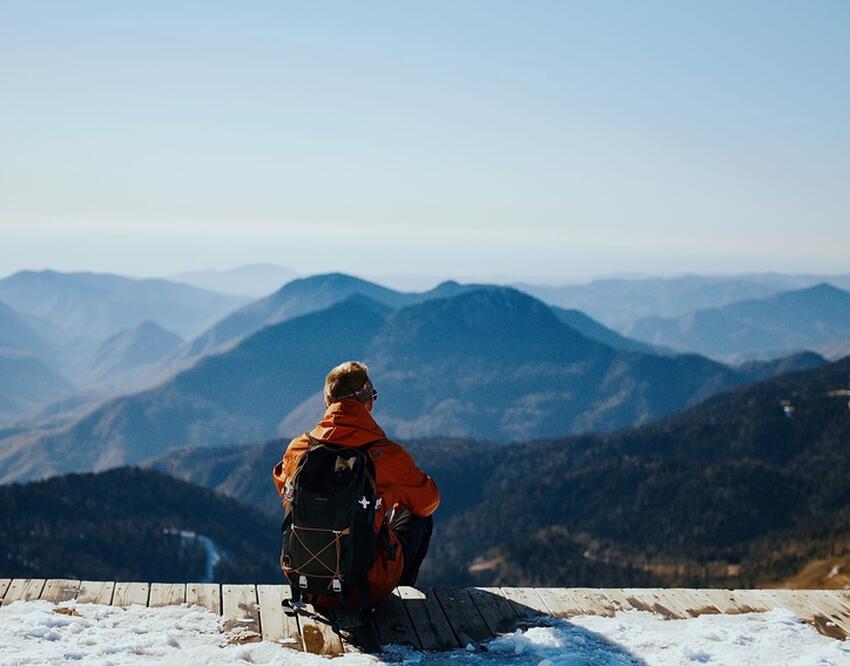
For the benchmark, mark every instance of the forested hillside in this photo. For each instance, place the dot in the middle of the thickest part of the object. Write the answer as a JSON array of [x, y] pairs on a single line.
[[132, 524], [747, 487]]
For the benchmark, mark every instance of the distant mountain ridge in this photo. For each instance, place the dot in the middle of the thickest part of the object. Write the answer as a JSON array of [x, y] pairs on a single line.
[[300, 297], [26, 384], [124, 359], [757, 371], [95, 306], [590, 328], [780, 324], [490, 363], [620, 302], [237, 396], [25, 334], [318, 292], [111, 367]]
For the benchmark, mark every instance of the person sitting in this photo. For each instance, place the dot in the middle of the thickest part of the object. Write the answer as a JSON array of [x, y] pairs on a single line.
[[398, 497]]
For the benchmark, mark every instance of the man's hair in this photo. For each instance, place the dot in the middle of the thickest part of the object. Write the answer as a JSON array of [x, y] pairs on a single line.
[[345, 379]]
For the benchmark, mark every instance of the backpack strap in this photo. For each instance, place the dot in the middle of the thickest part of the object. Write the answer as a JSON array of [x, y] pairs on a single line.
[[363, 450]]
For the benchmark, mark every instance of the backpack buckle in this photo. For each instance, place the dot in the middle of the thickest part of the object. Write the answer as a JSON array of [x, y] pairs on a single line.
[[302, 582], [336, 585]]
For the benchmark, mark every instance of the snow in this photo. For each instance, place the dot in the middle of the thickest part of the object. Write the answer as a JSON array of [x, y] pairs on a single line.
[[33, 632]]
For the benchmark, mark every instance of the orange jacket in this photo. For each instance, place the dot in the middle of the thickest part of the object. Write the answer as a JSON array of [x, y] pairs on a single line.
[[399, 481]]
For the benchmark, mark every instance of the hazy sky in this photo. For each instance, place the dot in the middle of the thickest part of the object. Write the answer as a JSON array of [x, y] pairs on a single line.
[[549, 140]]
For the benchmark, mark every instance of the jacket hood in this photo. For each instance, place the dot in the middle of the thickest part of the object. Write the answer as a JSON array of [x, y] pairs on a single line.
[[348, 423]]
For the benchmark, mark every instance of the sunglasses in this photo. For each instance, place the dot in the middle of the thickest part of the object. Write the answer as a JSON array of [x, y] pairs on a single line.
[[362, 392]]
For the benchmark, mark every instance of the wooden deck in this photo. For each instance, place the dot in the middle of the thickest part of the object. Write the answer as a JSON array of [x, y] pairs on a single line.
[[430, 619]]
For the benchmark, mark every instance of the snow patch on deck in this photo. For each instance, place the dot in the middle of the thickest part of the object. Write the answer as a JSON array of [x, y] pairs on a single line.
[[33, 632]]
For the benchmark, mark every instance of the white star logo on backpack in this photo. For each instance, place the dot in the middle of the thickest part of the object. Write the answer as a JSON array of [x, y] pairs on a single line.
[[364, 502]]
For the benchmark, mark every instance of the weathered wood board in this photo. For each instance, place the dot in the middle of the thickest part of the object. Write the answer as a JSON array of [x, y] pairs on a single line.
[[241, 613], [96, 592], [278, 624], [23, 589], [58, 590], [127, 594], [206, 595]]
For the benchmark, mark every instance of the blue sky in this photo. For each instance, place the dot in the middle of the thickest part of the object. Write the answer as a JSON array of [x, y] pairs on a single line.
[[534, 140]]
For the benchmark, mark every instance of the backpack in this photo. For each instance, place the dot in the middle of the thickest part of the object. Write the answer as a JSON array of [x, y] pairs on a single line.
[[329, 539]]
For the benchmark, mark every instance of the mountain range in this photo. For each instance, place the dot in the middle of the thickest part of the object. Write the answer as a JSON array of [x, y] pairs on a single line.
[[303, 296], [145, 355], [129, 355], [28, 334], [94, 306], [489, 363], [26, 383], [620, 302], [778, 325]]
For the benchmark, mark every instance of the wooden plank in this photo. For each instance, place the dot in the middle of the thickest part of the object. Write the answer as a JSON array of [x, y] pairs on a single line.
[[797, 602], [318, 632], [675, 601], [206, 595], [23, 589], [829, 612], [278, 624], [241, 614], [496, 610], [654, 600], [394, 625], [750, 601], [428, 619], [167, 594], [828, 598], [60, 589], [595, 599], [464, 618], [722, 600], [4, 585], [695, 602], [783, 599], [638, 600], [567, 603], [357, 631], [616, 599], [96, 592], [837, 598], [126, 594], [525, 601]]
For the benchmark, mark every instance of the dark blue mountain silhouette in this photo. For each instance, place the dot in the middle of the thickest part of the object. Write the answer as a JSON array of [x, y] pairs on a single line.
[[784, 323]]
